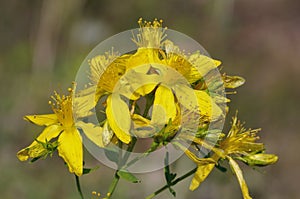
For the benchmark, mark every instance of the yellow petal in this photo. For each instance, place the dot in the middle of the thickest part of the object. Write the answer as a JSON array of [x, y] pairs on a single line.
[[201, 174], [118, 117], [238, 172], [42, 120], [186, 96], [70, 149], [207, 106], [201, 65], [84, 101], [146, 89], [217, 62], [140, 120], [142, 57], [93, 132], [135, 83], [142, 126], [34, 149], [164, 107]]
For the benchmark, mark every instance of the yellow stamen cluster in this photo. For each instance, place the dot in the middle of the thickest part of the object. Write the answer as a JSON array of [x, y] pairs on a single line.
[[99, 64], [106, 70], [62, 106], [241, 140], [151, 34]]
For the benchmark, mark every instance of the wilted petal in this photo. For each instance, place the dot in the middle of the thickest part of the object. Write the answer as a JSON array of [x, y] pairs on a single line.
[[238, 172]]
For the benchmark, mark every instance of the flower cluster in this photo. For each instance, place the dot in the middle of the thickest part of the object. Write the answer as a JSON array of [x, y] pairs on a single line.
[[158, 92]]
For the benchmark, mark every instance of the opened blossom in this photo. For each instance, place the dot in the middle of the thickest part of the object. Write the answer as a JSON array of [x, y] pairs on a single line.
[[62, 126]]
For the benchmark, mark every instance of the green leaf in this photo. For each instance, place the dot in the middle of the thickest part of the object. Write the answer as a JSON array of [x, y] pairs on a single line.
[[89, 170], [128, 176], [169, 176]]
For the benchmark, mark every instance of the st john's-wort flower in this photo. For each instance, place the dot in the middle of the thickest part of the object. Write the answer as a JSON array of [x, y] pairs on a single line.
[[63, 126], [160, 92], [239, 144]]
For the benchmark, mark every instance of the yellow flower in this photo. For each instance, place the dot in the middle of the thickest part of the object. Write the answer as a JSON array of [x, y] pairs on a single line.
[[239, 144], [241, 141], [64, 126], [105, 71], [169, 74]]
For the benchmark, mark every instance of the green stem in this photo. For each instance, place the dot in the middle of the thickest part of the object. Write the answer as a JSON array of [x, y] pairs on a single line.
[[113, 185], [172, 183], [122, 161], [116, 178], [78, 186], [131, 162], [129, 150]]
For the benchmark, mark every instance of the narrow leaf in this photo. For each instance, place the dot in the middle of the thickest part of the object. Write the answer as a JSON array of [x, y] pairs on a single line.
[[128, 176]]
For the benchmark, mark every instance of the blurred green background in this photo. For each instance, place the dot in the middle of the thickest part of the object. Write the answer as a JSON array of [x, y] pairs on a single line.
[[43, 42]]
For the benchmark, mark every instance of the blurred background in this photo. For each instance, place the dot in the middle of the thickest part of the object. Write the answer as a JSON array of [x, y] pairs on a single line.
[[42, 44]]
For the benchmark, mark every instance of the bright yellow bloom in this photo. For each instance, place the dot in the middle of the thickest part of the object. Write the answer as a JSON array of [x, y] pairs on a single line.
[[167, 73], [239, 144], [62, 125]]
